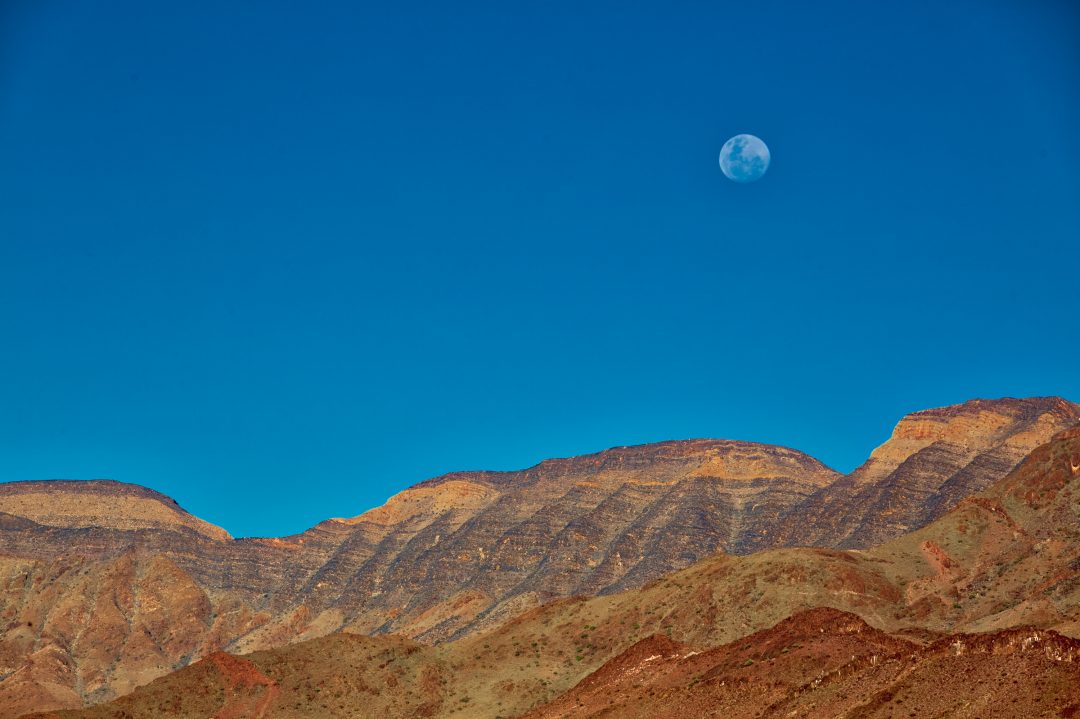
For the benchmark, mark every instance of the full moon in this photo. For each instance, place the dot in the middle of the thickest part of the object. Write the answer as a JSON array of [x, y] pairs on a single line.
[[744, 158]]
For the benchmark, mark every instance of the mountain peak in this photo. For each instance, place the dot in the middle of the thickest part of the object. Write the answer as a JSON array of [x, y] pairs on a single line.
[[101, 503], [1022, 424]]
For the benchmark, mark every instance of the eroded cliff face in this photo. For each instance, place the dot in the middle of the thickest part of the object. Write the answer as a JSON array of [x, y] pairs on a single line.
[[106, 585], [934, 459], [80, 631], [585, 525]]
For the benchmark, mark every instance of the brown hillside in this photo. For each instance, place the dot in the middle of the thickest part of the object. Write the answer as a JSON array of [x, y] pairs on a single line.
[[827, 664]]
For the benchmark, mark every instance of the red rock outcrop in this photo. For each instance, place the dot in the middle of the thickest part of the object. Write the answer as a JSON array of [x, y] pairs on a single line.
[[830, 664]]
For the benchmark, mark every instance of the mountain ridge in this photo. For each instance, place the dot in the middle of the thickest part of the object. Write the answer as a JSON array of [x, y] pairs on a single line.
[[453, 558], [911, 426]]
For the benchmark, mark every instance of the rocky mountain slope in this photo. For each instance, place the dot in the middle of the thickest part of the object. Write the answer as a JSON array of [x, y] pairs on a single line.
[[934, 459], [820, 663], [98, 600], [878, 633], [825, 663]]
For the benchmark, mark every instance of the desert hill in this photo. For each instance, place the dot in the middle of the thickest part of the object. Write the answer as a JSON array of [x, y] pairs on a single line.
[[825, 663], [819, 663]]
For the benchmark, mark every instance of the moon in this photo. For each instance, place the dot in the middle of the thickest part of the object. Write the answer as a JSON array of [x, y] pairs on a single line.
[[744, 158]]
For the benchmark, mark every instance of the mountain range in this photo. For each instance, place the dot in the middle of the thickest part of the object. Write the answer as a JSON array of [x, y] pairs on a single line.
[[612, 584]]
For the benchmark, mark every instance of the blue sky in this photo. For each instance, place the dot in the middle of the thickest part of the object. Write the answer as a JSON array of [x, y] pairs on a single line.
[[282, 261]]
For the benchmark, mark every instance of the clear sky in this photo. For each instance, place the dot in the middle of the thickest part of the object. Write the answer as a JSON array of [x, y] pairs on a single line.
[[280, 260]]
